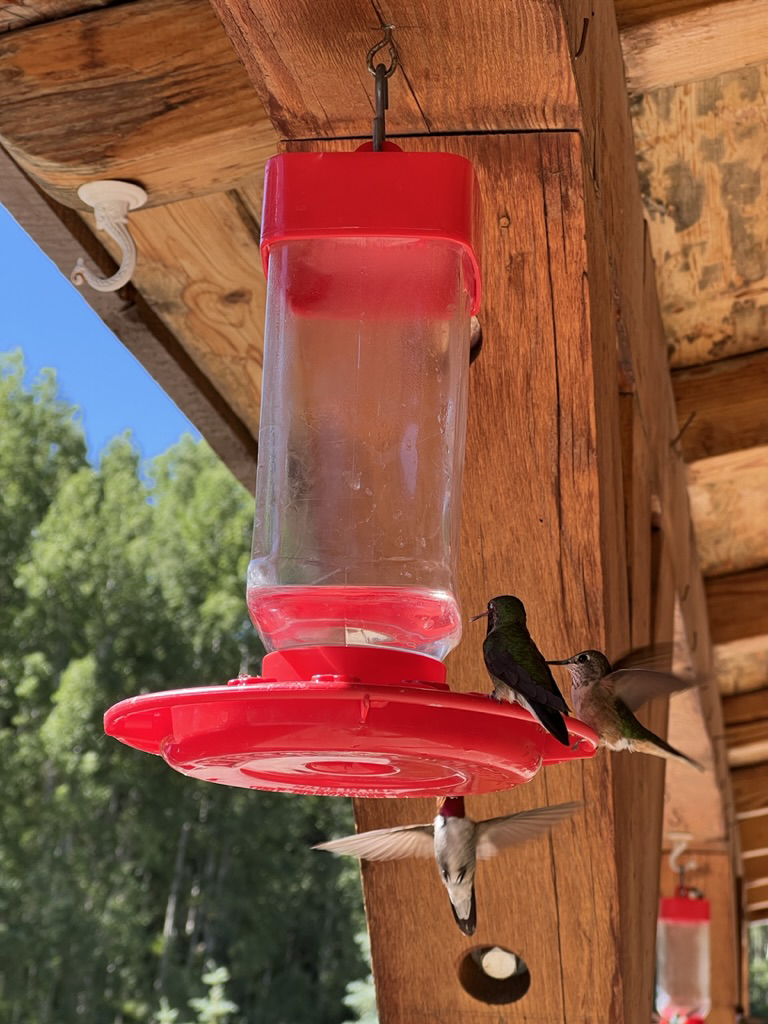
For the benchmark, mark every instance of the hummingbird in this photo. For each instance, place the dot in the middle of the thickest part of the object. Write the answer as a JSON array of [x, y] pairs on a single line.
[[456, 842], [605, 698], [517, 667]]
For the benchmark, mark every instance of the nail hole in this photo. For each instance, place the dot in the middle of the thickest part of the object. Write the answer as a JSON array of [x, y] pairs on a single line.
[[475, 339], [494, 975]]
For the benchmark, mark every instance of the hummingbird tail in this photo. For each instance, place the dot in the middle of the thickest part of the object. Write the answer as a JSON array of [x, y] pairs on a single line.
[[552, 721], [652, 744], [469, 923]]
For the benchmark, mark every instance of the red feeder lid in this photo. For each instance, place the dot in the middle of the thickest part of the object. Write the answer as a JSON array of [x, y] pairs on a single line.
[[364, 194], [681, 910], [315, 727]]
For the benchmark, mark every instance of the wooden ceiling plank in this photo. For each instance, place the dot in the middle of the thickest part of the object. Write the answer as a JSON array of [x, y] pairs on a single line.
[[747, 753], [755, 868], [750, 790], [728, 501], [723, 406], [64, 238], [745, 708], [738, 604], [695, 44], [150, 92], [754, 837]]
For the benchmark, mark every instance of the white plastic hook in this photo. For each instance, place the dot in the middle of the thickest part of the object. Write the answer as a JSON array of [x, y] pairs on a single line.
[[111, 201], [680, 841]]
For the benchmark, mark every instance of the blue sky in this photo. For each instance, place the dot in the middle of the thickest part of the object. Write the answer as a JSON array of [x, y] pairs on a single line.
[[45, 316]]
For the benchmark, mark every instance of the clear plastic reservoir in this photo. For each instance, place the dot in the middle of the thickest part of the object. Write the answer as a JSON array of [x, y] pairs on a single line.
[[682, 960], [361, 444]]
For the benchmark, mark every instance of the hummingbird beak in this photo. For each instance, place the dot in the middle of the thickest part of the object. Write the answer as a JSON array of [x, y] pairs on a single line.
[[566, 661], [482, 615]]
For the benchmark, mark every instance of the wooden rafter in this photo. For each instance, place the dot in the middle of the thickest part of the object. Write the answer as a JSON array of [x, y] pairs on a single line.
[[163, 102]]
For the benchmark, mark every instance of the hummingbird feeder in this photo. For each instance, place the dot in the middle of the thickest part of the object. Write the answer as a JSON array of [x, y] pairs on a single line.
[[372, 278], [682, 958]]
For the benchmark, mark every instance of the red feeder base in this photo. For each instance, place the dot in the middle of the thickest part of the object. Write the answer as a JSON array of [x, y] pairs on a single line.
[[313, 727]]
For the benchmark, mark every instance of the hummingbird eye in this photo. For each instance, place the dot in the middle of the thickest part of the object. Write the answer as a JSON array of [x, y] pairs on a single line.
[[582, 658]]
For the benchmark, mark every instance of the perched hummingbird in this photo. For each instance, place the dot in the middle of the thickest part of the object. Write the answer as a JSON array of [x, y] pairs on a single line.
[[605, 698], [517, 667], [456, 842]]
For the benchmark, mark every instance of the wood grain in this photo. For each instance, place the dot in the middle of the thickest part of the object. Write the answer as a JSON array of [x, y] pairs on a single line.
[[638, 12], [15, 14], [200, 268], [755, 868], [750, 791], [701, 156], [64, 238], [754, 837], [728, 506], [481, 67], [738, 605], [541, 514], [695, 44], [723, 406], [121, 93]]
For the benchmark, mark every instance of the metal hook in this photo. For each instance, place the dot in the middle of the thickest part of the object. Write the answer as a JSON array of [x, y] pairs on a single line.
[[111, 201], [386, 41]]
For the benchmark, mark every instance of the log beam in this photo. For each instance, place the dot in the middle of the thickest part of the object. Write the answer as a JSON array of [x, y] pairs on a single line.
[[150, 92], [750, 790], [694, 44]]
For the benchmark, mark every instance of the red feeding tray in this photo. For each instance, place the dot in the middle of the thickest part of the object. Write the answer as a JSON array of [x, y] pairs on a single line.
[[310, 725]]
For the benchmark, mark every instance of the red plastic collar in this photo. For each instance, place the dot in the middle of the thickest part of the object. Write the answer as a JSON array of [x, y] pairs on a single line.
[[325, 727], [365, 194], [683, 910]]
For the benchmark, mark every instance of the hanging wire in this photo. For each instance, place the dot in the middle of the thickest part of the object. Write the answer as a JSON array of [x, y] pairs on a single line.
[[382, 73]]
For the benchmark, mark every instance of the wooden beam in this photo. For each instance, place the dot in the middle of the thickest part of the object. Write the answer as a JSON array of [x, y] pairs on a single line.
[[738, 604], [700, 151], [23, 13], [742, 665], [722, 405], [695, 44], [750, 790], [150, 92], [638, 12], [64, 238], [728, 502], [746, 718]]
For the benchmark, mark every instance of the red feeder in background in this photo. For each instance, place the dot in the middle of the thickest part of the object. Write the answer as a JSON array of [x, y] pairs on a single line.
[[372, 277], [682, 959]]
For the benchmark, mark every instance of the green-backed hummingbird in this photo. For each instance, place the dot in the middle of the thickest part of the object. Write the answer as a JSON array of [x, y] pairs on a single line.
[[456, 842], [517, 667], [605, 698]]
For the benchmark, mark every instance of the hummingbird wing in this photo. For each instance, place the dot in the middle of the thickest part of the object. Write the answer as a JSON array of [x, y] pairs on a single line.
[[496, 834], [386, 843], [523, 669], [636, 686], [655, 657]]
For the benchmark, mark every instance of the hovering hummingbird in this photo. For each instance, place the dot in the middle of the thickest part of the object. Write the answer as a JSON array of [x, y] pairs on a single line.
[[605, 698], [517, 667], [456, 842]]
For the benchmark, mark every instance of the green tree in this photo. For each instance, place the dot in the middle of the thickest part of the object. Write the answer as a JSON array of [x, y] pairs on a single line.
[[118, 877], [758, 970]]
